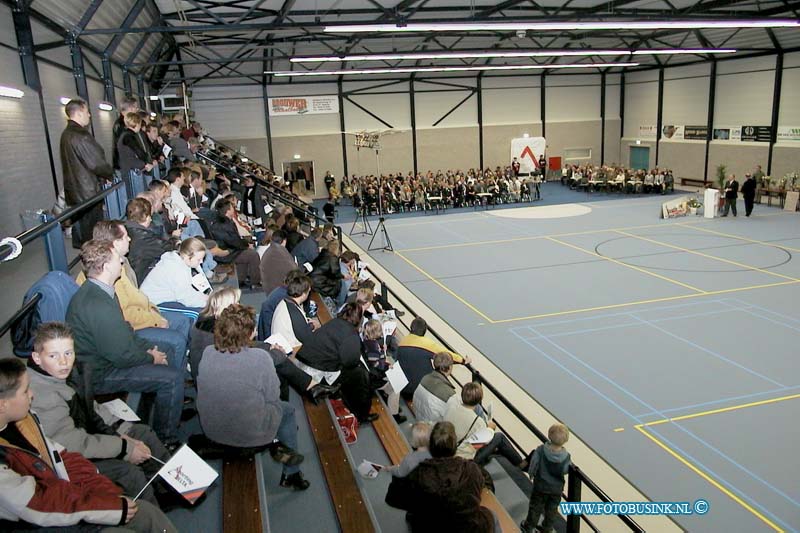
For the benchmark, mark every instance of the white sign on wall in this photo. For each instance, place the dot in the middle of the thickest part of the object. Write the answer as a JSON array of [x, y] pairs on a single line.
[[528, 150], [302, 105], [647, 131], [788, 133]]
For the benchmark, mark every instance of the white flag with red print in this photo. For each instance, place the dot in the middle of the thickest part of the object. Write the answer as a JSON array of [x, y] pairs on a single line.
[[188, 474], [528, 150]]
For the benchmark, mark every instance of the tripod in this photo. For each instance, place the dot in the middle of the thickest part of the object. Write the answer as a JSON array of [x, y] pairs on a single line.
[[381, 227], [362, 216]]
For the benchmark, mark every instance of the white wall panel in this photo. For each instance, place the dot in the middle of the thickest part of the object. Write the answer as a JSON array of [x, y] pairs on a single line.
[[230, 112], [500, 82], [511, 106], [790, 103], [392, 108], [791, 60], [432, 106], [572, 98], [641, 106], [612, 96], [686, 95], [103, 120], [57, 83]]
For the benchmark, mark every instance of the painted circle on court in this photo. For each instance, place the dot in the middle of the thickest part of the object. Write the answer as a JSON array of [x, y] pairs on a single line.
[[544, 211], [737, 242]]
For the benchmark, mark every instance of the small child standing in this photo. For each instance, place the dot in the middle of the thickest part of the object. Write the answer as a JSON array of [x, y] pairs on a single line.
[[548, 467]]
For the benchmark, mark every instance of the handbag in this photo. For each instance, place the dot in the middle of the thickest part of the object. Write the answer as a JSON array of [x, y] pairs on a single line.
[[347, 421]]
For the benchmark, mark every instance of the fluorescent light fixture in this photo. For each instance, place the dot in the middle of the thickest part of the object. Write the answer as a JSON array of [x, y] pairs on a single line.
[[526, 135], [152, 114], [105, 106], [297, 156], [401, 70], [692, 24], [245, 160], [10, 92], [672, 51], [153, 98], [504, 54], [64, 100]]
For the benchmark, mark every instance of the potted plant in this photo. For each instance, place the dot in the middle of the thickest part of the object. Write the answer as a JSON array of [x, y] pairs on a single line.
[[721, 171], [693, 205]]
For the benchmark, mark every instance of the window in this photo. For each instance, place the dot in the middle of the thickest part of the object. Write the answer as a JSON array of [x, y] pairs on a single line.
[[574, 154]]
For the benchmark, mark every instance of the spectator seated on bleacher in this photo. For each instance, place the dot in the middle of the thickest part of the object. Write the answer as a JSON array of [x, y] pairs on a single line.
[[147, 246], [293, 235], [333, 354], [202, 334], [434, 390], [327, 275], [177, 281], [276, 262], [121, 361], [238, 395], [416, 352], [443, 494], [374, 353], [44, 485], [269, 305], [181, 149], [68, 417], [420, 444], [240, 251], [137, 309], [462, 412], [309, 248]]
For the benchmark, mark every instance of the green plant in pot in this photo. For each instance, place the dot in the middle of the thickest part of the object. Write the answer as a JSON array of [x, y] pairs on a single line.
[[693, 204], [722, 170]]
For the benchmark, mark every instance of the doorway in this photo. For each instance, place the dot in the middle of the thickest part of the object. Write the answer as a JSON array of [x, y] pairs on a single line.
[[300, 177], [640, 157]]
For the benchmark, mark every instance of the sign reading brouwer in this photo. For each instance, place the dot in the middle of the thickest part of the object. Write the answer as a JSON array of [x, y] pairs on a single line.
[[302, 105]]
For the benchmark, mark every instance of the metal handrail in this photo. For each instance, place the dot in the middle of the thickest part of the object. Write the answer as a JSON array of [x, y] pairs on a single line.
[[29, 235]]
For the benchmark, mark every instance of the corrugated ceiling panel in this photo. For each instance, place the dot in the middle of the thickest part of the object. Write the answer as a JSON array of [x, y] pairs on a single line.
[[109, 15]]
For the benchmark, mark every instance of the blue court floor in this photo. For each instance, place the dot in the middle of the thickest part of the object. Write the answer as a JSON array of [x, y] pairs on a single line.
[[669, 347]]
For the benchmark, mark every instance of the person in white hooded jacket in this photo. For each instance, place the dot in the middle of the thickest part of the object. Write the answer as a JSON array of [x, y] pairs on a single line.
[[179, 278]]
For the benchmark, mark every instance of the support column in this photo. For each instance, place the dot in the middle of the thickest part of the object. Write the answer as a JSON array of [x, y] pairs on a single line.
[[30, 72], [622, 105], [712, 92], [265, 94], [413, 123], [341, 126], [108, 82], [126, 82], [660, 109], [143, 97], [602, 117], [543, 114], [480, 120], [776, 109]]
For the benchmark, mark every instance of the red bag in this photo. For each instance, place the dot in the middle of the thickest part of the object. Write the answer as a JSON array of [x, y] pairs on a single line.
[[347, 421]]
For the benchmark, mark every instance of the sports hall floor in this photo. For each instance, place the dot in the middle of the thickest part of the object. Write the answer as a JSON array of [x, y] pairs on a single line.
[[669, 347]]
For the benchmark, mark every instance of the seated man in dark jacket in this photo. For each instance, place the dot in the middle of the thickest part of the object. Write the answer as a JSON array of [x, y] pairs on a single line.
[[308, 249], [443, 494], [240, 251], [276, 262], [120, 360], [147, 246]]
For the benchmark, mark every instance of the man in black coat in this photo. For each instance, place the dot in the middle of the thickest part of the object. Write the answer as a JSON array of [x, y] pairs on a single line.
[[731, 193], [749, 194], [83, 162], [129, 104]]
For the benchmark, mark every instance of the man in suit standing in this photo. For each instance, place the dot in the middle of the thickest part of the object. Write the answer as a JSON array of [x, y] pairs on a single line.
[[731, 193], [748, 193]]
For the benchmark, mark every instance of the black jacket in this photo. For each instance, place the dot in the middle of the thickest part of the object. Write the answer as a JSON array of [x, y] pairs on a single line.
[[131, 153], [335, 346], [145, 250], [83, 162], [223, 230], [326, 276], [116, 132], [749, 188], [293, 239], [306, 251], [731, 189]]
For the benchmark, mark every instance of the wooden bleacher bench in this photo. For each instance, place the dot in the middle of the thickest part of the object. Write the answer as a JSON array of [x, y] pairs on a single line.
[[693, 181], [348, 502], [241, 505]]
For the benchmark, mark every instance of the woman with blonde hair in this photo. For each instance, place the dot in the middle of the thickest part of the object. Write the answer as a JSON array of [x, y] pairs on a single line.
[[202, 334], [178, 277]]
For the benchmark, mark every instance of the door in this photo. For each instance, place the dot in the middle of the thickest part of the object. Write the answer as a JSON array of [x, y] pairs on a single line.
[[640, 157], [301, 176]]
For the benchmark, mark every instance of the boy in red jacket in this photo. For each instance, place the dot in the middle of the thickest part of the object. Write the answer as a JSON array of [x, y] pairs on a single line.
[[42, 484]]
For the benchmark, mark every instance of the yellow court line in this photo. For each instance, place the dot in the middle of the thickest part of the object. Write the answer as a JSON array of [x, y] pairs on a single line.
[[531, 238], [444, 287], [633, 267], [707, 256], [708, 478], [772, 244], [641, 302], [722, 410]]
